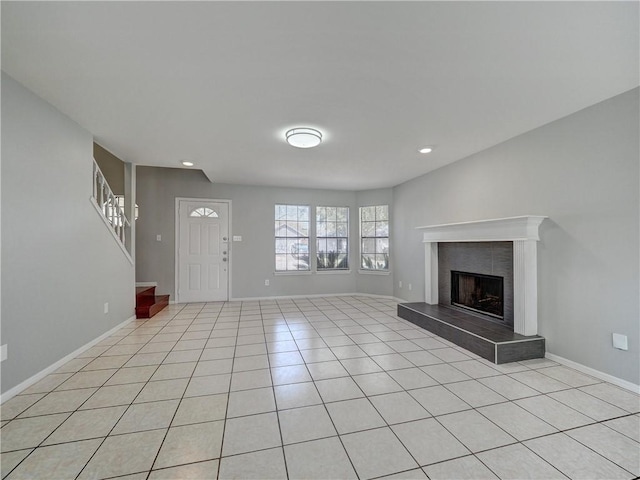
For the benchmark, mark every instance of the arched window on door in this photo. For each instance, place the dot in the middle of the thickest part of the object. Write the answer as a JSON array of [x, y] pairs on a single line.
[[203, 212]]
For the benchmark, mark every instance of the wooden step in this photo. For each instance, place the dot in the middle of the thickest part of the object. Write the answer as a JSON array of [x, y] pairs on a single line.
[[148, 303]]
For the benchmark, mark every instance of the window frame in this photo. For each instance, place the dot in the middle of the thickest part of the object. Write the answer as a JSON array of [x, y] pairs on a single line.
[[326, 237], [287, 238], [375, 238]]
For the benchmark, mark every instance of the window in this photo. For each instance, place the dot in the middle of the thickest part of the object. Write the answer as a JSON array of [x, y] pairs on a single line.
[[292, 237], [332, 238], [202, 212], [374, 237]]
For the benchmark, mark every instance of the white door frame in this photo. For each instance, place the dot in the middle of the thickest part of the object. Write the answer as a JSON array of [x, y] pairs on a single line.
[[177, 242]]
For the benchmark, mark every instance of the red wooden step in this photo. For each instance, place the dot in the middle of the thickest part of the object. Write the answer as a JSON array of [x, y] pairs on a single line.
[[148, 303]]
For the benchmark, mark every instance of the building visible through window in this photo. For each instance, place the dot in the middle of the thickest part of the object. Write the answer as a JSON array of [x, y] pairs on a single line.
[[292, 237]]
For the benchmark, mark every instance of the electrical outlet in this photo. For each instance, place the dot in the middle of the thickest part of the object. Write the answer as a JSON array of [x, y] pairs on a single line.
[[158, 238], [266, 283], [106, 307], [409, 287], [620, 341], [400, 284]]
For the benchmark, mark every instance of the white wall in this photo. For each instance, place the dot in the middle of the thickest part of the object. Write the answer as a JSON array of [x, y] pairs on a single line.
[[582, 171], [60, 264], [252, 260]]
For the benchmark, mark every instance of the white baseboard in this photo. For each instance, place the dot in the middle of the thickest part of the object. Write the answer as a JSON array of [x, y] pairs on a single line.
[[595, 373], [284, 297], [52, 368], [317, 295]]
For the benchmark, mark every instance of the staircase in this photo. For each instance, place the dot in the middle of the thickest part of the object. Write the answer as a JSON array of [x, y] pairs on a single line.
[[148, 303]]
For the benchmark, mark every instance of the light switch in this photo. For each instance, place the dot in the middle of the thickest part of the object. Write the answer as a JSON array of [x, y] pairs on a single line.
[[620, 341], [237, 238], [158, 238]]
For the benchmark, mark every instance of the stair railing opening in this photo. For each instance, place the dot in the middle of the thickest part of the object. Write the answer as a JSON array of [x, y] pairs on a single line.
[[111, 206]]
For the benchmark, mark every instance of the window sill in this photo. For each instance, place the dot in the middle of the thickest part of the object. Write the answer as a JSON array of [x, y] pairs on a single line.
[[292, 272], [373, 272], [333, 272]]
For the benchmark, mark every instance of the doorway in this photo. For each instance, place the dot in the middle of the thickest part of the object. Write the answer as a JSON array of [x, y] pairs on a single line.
[[202, 250]]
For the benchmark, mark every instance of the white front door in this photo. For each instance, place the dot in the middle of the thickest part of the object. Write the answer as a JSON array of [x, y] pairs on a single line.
[[202, 251]]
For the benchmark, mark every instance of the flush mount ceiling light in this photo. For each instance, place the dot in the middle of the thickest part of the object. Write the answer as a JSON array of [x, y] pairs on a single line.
[[187, 164], [303, 137], [426, 150]]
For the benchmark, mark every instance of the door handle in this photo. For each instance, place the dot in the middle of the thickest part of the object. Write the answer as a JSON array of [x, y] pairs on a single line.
[[224, 259], [224, 253]]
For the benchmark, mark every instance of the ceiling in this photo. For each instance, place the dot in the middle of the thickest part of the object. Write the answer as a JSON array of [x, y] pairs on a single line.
[[218, 83]]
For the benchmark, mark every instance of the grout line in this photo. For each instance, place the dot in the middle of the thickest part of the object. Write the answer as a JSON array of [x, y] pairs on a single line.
[[307, 317], [121, 416]]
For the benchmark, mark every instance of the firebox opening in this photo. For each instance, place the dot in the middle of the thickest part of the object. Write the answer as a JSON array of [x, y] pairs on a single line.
[[477, 292]]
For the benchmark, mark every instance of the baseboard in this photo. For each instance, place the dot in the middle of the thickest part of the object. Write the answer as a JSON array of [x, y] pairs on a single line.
[[52, 368], [284, 297], [595, 373], [318, 295]]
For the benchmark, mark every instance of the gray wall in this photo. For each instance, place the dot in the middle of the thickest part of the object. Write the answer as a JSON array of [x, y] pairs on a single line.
[[582, 171], [60, 264], [111, 167], [252, 260]]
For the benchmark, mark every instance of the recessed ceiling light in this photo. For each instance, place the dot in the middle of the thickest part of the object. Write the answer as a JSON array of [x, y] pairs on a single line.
[[426, 150], [187, 164], [303, 137]]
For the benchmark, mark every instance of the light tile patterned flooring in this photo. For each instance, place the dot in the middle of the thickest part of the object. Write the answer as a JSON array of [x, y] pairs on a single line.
[[332, 387]]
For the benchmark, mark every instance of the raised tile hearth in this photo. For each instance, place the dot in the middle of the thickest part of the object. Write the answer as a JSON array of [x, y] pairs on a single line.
[[491, 341]]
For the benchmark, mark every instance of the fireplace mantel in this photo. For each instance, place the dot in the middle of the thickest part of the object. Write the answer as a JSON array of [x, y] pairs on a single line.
[[522, 231], [494, 230]]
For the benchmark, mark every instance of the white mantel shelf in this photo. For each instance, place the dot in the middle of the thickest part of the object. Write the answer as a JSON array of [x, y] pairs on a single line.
[[494, 230], [522, 231]]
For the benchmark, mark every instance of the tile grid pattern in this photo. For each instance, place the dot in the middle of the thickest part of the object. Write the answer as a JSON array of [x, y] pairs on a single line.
[[327, 387]]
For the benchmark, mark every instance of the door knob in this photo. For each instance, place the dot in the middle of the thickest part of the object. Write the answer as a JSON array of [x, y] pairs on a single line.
[[224, 253], [224, 259]]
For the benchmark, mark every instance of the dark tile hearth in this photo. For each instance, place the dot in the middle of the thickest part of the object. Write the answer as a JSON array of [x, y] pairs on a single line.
[[491, 341]]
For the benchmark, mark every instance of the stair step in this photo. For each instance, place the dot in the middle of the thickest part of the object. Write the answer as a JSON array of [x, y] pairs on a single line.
[[145, 291], [148, 303]]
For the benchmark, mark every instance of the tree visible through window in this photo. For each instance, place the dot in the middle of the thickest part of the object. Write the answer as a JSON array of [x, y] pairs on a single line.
[[374, 237], [332, 238], [292, 237]]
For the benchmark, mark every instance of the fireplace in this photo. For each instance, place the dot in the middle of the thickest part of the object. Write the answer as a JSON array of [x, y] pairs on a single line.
[[521, 234], [477, 277], [479, 293]]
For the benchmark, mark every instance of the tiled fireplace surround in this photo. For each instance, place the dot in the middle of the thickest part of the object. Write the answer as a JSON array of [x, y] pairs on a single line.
[[522, 232]]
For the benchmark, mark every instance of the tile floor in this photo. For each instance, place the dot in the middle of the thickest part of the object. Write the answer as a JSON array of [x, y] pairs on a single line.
[[332, 387]]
